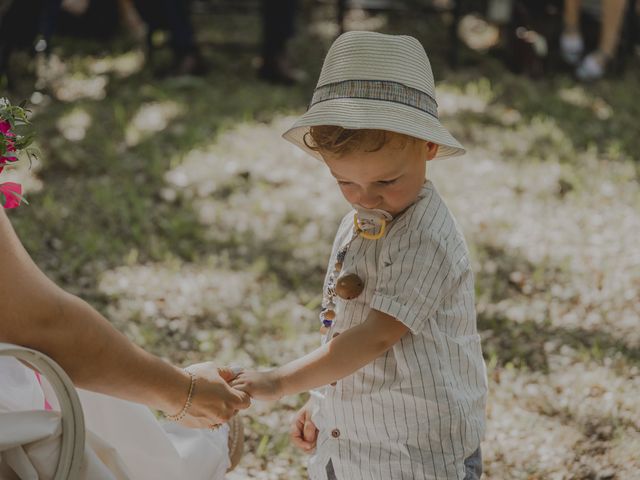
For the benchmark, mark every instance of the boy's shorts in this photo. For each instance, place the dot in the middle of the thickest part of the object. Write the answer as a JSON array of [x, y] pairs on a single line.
[[472, 467]]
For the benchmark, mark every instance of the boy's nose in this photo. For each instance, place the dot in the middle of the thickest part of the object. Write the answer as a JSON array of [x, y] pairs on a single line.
[[369, 201]]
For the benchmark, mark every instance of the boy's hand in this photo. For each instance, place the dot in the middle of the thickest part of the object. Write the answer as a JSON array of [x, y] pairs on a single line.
[[304, 432], [259, 385]]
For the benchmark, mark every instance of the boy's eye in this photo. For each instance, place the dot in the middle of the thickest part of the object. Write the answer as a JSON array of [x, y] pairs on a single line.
[[343, 183], [387, 182]]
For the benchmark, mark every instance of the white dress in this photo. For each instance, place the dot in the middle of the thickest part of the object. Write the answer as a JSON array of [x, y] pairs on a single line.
[[124, 440]]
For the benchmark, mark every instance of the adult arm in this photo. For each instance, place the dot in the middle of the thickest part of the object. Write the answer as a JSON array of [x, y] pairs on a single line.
[[36, 313]]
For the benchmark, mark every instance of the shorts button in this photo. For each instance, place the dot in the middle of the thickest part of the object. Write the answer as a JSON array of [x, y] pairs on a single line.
[[335, 433]]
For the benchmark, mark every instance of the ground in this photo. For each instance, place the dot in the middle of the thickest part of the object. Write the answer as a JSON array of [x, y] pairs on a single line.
[[176, 209]]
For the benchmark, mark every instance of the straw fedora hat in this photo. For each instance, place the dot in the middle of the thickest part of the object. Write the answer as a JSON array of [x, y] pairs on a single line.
[[376, 81]]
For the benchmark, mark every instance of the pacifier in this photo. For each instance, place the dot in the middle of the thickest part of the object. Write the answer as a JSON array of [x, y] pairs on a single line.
[[367, 220]]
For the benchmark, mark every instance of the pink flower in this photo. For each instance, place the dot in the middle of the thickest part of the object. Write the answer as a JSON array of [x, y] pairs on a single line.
[[12, 194], [5, 130], [4, 160]]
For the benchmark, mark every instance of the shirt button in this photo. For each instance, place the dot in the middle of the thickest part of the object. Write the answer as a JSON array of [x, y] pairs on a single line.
[[335, 433]]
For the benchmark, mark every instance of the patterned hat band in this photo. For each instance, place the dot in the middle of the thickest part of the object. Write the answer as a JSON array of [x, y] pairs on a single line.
[[377, 90]]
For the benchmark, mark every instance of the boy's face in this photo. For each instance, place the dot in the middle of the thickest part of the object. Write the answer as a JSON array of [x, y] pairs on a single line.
[[389, 179]]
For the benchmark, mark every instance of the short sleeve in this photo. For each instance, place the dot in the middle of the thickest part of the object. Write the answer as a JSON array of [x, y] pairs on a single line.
[[417, 270]]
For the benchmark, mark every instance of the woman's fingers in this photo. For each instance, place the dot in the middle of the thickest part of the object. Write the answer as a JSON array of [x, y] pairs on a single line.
[[229, 373], [244, 400], [234, 400], [226, 373], [240, 386]]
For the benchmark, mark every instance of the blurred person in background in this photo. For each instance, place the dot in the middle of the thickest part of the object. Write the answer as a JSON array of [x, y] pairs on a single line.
[[278, 26], [594, 65], [174, 15]]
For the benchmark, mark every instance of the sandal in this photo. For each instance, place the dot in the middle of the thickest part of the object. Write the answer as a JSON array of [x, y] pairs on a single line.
[[236, 441]]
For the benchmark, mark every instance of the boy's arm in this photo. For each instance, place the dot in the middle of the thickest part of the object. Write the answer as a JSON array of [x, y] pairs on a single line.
[[346, 353]]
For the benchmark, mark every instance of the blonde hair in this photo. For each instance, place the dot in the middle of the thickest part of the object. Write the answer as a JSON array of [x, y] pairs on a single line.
[[340, 141]]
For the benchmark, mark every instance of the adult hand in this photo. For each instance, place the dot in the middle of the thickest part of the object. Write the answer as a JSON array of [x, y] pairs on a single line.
[[303, 432], [213, 400]]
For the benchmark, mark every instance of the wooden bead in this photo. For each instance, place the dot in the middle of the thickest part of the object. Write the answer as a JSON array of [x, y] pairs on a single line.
[[328, 315], [349, 286], [338, 266]]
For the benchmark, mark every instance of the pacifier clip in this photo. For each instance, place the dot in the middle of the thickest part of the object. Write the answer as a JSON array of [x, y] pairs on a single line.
[[348, 286]]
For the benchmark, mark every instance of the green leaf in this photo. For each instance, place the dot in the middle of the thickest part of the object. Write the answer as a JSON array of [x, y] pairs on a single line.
[[20, 197], [262, 446]]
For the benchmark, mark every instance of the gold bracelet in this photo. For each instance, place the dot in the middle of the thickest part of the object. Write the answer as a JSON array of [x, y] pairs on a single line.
[[181, 414]]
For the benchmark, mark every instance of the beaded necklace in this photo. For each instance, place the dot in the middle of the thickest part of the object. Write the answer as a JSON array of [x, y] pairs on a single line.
[[350, 286]]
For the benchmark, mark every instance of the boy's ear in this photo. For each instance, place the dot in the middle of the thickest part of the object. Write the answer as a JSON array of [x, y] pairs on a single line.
[[431, 150]]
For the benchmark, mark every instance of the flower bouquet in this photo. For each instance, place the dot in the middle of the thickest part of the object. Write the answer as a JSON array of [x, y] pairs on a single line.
[[15, 137]]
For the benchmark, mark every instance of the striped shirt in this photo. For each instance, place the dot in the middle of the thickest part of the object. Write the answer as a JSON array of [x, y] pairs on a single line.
[[417, 411]]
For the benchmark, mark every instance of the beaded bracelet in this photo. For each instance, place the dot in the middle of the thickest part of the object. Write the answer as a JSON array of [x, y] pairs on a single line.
[[181, 414]]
